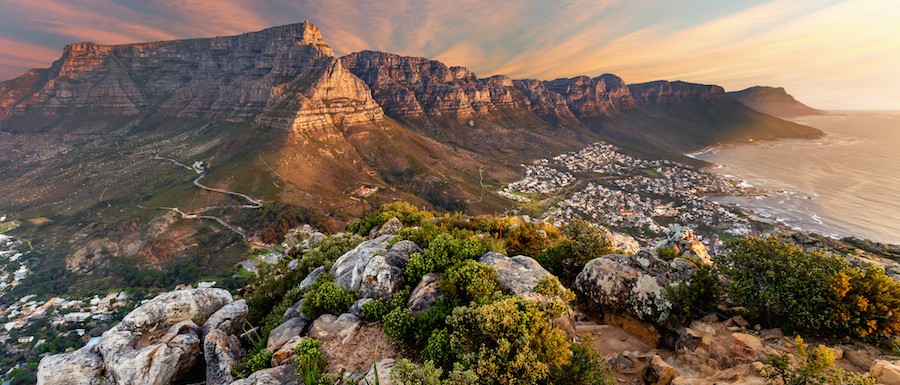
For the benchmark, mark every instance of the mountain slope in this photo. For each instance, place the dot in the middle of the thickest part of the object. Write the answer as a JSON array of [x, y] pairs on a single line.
[[773, 101]]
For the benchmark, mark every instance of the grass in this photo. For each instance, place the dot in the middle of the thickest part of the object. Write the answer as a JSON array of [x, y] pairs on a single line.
[[8, 226]]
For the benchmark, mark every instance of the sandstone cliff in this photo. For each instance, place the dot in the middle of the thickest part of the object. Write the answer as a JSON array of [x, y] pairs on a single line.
[[282, 76]]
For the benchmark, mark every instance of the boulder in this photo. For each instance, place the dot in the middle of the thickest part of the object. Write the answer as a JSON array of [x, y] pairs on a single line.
[[285, 354], [391, 227], [281, 375], [685, 244], [356, 308], [329, 327], [517, 275], [885, 372], [373, 269], [222, 353], [384, 372], [285, 332], [658, 372], [746, 346], [296, 310], [132, 359], [634, 285], [311, 277], [229, 319], [81, 367], [171, 308], [624, 243], [425, 294]]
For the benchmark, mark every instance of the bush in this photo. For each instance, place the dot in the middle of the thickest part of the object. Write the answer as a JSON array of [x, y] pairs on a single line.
[[551, 287], [695, 297], [667, 253], [586, 367], [375, 310], [326, 297], [867, 302], [397, 323], [507, 342], [255, 361], [408, 373], [780, 284], [311, 362], [582, 243], [405, 212], [443, 252], [812, 367], [525, 239], [469, 281]]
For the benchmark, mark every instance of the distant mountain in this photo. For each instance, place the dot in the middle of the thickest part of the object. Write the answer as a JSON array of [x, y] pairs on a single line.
[[773, 101], [88, 146]]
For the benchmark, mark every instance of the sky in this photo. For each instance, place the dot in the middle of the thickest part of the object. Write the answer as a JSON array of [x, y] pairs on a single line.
[[830, 54]]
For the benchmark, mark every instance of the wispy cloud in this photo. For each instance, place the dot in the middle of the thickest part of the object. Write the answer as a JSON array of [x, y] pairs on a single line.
[[830, 53]]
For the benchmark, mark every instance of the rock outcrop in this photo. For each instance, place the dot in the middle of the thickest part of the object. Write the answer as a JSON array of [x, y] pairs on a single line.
[[517, 275], [374, 268], [685, 244], [633, 285], [157, 343]]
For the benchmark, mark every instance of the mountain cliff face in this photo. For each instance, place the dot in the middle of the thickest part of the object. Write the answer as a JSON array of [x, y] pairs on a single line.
[[656, 118], [773, 101], [282, 76]]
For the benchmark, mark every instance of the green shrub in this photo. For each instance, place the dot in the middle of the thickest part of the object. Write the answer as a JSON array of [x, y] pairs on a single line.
[[510, 341], [468, 281], [695, 297], [326, 297], [254, 361], [398, 323], [407, 373], [407, 213], [551, 287], [582, 243], [667, 253], [780, 284], [586, 367], [311, 362], [438, 347], [375, 310], [812, 367], [443, 252]]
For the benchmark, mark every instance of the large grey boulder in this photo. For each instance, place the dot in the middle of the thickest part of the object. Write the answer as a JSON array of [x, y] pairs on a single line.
[[425, 294], [373, 268], [81, 367], [170, 308], [229, 319], [685, 243], [517, 275], [164, 361], [391, 227], [222, 353], [281, 375], [633, 284], [284, 332], [311, 277], [330, 327]]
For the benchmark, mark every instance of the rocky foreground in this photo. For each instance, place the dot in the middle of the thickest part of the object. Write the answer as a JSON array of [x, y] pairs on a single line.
[[195, 336]]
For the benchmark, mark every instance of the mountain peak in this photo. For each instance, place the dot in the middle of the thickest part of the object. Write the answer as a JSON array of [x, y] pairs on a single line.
[[773, 101]]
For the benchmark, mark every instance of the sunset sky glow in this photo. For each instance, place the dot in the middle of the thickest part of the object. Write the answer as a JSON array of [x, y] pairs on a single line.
[[829, 54]]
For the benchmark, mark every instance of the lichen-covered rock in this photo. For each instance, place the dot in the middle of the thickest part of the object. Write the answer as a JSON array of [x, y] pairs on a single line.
[[164, 361], [81, 367], [229, 319], [626, 244], [285, 353], [222, 353], [280, 375], [685, 244], [284, 332], [328, 327], [425, 294], [517, 275], [171, 308], [632, 284], [391, 227], [372, 268]]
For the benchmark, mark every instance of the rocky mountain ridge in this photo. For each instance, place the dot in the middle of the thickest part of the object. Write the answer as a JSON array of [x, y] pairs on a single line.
[[774, 101]]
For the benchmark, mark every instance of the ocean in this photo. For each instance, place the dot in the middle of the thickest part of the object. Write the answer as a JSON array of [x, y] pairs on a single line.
[[845, 184]]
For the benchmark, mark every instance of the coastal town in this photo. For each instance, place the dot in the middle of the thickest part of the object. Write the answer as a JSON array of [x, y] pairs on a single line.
[[638, 197]]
